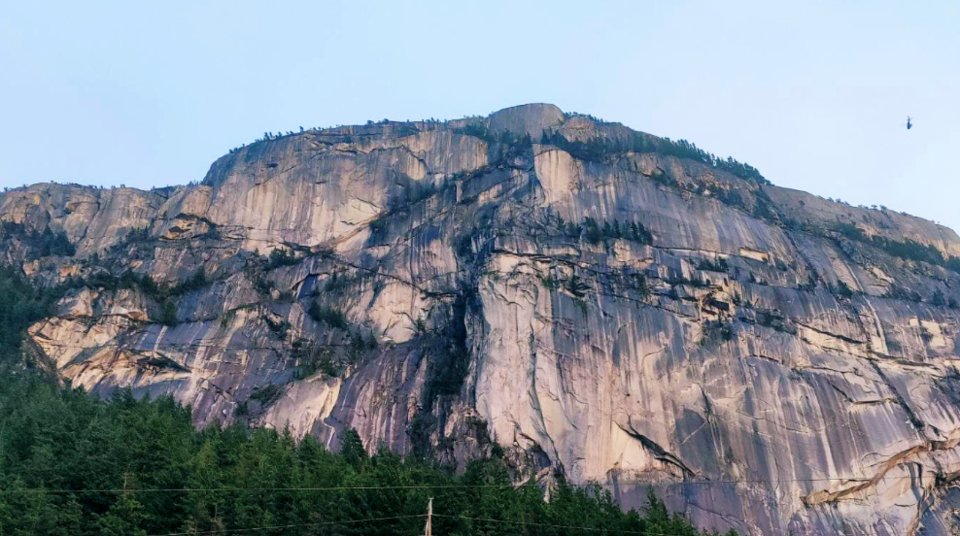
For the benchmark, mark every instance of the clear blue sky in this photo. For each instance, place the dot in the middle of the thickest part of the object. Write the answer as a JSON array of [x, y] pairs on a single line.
[[814, 94]]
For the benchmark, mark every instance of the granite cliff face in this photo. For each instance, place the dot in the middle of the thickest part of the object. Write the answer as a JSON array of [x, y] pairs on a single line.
[[590, 301]]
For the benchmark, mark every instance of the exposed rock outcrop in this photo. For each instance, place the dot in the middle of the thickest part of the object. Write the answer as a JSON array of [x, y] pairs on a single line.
[[585, 300]]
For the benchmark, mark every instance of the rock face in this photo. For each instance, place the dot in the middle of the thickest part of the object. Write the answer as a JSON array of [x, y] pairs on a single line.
[[586, 300]]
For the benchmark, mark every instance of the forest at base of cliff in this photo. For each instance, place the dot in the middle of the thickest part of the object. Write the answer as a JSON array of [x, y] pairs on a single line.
[[71, 463]]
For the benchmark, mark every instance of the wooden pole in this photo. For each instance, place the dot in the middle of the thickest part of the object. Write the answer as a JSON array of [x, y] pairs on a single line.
[[429, 529]]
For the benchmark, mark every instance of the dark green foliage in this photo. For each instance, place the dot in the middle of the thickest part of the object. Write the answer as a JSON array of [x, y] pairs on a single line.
[[124, 518], [138, 234], [938, 299], [715, 333], [573, 230], [261, 283], [329, 315], [477, 130], [448, 378], [312, 358], [639, 233], [639, 283], [726, 333], [907, 249], [591, 231], [896, 292], [595, 233], [911, 250], [851, 231], [351, 448], [774, 320], [196, 281], [597, 148], [127, 280], [658, 520], [516, 143], [842, 289], [65, 439], [39, 244], [145, 282], [168, 316], [343, 280], [378, 229], [135, 236], [281, 257], [235, 478], [809, 284], [165, 294], [267, 394], [610, 230], [763, 207], [73, 464], [51, 243], [21, 304], [278, 327]]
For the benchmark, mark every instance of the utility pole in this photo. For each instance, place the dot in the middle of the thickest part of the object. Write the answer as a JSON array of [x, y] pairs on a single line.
[[428, 531]]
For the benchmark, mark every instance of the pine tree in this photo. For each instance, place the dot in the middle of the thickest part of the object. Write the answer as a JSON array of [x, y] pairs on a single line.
[[169, 315], [938, 299], [351, 447], [125, 518], [592, 230]]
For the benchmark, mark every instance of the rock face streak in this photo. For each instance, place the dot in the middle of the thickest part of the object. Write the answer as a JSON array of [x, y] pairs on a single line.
[[759, 364]]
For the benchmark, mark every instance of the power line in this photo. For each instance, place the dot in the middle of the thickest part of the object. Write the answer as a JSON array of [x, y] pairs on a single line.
[[459, 517], [270, 490], [550, 525], [615, 531], [430, 486], [295, 525]]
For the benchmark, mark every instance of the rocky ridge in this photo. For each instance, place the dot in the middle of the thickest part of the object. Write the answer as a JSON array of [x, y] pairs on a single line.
[[584, 299]]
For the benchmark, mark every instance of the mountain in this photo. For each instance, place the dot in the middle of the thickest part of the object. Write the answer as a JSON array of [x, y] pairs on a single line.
[[591, 301]]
